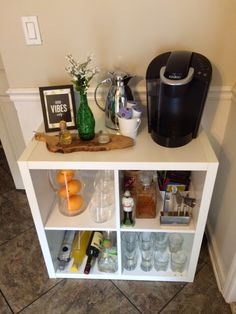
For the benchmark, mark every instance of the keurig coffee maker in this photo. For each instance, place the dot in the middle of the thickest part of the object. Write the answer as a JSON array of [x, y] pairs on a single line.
[[177, 85]]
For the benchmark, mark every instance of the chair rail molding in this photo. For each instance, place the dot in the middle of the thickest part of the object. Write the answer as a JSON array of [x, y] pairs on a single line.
[[28, 106]]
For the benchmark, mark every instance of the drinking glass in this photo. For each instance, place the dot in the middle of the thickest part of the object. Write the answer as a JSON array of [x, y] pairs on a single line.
[[160, 241], [130, 250], [146, 250], [178, 261], [175, 242], [161, 260]]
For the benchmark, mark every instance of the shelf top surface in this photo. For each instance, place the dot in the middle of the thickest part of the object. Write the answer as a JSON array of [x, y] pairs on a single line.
[[144, 154]]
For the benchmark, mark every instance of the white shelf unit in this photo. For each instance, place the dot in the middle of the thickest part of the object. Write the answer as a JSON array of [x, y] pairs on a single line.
[[197, 156]]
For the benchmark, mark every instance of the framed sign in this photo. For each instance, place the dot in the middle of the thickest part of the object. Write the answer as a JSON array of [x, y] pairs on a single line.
[[58, 103]]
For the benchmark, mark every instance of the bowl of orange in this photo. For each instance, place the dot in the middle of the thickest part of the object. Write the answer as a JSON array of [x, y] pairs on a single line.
[[69, 190]]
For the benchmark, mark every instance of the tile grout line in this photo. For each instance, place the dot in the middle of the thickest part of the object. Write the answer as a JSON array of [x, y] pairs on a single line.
[[204, 264], [173, 297], [19, 234], [40, 296], [127, 297], [6, 300]]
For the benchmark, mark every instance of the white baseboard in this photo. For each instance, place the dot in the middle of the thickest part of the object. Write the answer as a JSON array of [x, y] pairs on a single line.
[[215, 258], [226, 282], [229, 290]]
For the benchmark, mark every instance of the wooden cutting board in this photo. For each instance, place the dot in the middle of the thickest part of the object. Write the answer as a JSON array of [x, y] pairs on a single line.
[[116, 142]]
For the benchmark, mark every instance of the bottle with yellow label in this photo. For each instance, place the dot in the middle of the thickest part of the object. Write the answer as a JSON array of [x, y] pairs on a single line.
[[79, 247]]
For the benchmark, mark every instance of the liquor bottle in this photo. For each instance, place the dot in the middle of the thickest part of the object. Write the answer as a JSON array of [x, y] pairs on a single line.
[[107, 260], [65, 137], [93, 249], [64, 254], [79, 247], [146, 196]]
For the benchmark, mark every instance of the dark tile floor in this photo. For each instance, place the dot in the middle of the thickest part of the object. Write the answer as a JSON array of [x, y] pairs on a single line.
[[26, 288]]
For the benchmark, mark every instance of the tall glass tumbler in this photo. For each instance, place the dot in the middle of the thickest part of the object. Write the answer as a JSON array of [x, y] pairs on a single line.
[[175, 242], [160, 241], [146, 250], [130, 250]]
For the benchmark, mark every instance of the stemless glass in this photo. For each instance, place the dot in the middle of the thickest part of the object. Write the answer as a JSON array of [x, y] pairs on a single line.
[[161, 260], [130, 250], [175, 242], [178, 261], [160, 241], [146, 250]]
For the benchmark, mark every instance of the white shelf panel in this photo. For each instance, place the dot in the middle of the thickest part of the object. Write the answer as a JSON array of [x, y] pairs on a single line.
[[154, 275], [137, 274], [168, 276], [145, 154], [154, 225], [58, 221]]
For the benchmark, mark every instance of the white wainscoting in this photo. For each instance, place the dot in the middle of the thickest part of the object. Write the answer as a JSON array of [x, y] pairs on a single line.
[[28, 106], [29, 112]]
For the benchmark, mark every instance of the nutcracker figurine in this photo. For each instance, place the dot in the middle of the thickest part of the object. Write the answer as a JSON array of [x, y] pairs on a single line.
[[128, 204]]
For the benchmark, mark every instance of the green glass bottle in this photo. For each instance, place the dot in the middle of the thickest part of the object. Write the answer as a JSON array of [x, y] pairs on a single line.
[[85, 119]]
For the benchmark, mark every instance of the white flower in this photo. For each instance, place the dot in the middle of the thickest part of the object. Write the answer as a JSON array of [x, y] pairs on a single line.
[[80, 73]]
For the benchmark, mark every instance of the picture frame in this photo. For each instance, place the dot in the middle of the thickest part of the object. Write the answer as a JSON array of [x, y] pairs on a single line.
[[58, 103]]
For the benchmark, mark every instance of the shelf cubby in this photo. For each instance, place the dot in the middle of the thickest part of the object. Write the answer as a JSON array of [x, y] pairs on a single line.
[[36, 162]]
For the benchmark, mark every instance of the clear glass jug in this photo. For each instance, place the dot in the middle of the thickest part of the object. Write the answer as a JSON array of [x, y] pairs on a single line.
[[102, 203]]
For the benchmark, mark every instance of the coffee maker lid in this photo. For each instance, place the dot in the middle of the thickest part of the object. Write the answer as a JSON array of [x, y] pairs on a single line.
[[177, 70], [174, 80]]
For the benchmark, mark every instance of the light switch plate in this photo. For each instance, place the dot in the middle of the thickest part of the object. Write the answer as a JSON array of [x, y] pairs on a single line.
[[31, 30]]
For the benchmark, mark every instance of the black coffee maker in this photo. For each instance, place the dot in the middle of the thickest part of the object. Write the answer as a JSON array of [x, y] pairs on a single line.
[[177, 84]]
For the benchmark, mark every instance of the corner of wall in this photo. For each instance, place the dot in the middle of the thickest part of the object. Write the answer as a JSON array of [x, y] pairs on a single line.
[[225, 274]]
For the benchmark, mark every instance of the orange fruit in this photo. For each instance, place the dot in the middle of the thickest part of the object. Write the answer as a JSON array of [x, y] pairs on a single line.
[[64, 176], [73, 187], [74, 203], [68, 171]]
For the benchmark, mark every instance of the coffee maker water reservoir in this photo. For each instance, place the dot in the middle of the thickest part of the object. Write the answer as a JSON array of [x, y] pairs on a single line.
[[177, 84]]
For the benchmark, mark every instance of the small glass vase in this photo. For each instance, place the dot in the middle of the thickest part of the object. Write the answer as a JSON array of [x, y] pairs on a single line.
[[85, 119]]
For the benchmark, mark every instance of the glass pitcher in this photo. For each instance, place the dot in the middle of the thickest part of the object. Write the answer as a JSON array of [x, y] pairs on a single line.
[[102, 203]]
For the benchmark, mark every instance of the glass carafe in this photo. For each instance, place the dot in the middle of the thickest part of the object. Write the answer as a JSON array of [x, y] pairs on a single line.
[[102, 203], [146, 195]]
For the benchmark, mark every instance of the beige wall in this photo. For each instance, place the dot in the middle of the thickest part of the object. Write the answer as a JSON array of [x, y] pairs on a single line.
[[126, 35], [121, 34], [222, 216]]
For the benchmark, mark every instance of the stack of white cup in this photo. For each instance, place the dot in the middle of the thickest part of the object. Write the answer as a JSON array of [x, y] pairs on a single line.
[[129, 126]]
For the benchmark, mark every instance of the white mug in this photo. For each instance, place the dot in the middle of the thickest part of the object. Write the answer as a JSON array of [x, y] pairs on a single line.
[[136, 112], [129, 127]]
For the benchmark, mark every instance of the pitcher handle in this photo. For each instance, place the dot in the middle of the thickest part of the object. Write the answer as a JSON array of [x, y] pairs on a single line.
[[108, 80]]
